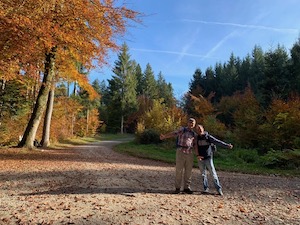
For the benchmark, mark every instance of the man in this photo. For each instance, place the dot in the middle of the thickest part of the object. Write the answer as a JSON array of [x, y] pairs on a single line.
[[184, 155], [204, 152]]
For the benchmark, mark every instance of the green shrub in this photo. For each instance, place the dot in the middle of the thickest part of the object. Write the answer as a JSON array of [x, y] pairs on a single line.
[[296, 142], [249, 156], [289, 159], [148, 137]]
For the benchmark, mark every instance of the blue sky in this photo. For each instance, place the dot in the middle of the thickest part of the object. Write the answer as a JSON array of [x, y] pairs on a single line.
[[177, 37]]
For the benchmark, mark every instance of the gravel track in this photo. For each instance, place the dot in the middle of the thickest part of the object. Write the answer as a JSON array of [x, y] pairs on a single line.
[[91, 184]]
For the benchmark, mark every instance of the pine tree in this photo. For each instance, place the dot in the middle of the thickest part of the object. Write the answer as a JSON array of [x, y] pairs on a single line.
[[123, 87], [165, 90], [295, 67], [257, 72], [150, 85], [277, 77], [139, 79], [229, 76], [244, 74], [195, 89]]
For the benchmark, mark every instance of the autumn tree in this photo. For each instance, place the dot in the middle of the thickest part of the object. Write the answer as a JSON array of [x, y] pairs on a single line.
[[283, 123], [66, 110], [81, 30], [247, 118], [45, 142], [14, 110], [88, 112], [162, 118]]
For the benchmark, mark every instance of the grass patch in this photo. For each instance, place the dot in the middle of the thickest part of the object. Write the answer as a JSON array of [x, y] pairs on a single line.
[[107, 137], [236, 160], [156, 152], [86, 140]]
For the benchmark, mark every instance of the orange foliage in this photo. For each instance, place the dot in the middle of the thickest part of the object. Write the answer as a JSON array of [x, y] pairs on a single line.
[[214, 126], [64, 116], [68, 70], [291, 106], [145, 104], [93, 122], [247, 117], [65, 123], [84, 30], [202, 106], [247, 109], [177, 114], [284, 119], [12, 128]]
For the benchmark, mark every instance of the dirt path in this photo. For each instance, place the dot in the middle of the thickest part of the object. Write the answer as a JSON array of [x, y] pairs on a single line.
[[93, 185]]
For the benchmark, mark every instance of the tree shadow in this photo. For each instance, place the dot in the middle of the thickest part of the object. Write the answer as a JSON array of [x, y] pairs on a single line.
[[126, 191], [96, 152]]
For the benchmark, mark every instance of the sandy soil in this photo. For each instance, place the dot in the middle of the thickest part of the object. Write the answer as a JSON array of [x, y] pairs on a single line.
[[92, 184]]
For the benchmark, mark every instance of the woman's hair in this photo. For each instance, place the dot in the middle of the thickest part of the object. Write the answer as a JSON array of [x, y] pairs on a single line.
[[200, 128]]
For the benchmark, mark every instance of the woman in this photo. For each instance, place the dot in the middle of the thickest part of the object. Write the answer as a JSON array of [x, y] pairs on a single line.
[[204, 152]]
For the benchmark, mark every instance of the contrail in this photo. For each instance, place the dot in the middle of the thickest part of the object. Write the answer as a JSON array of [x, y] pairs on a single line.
[[220, 43], [168, 52], [290, 30]]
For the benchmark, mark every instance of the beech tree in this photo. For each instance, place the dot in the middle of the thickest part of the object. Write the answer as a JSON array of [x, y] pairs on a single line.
[[45, 31], [45, 142]]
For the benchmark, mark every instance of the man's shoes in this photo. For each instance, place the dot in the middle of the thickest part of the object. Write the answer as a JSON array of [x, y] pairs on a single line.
[[220, 192], [206, 191], [188, 191], [177, 191]]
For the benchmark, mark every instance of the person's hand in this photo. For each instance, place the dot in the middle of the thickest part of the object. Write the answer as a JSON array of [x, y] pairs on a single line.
[[230, 146], [162, 137], [199, 157]]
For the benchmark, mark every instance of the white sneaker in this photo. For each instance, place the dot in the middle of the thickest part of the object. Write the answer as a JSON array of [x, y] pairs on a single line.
[[220, 192]]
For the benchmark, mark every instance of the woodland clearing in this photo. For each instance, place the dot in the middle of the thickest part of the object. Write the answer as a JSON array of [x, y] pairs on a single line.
[[92, 184]]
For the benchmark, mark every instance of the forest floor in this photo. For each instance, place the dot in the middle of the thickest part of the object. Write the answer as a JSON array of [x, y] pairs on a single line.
[[92, 184]]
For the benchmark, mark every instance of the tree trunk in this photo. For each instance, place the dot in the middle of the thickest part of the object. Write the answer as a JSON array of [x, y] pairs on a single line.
[[74, 90], [68, 89], [32, 126], [122, 124], [87, 122], [1, 91], [47, 121], [72, 125]]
